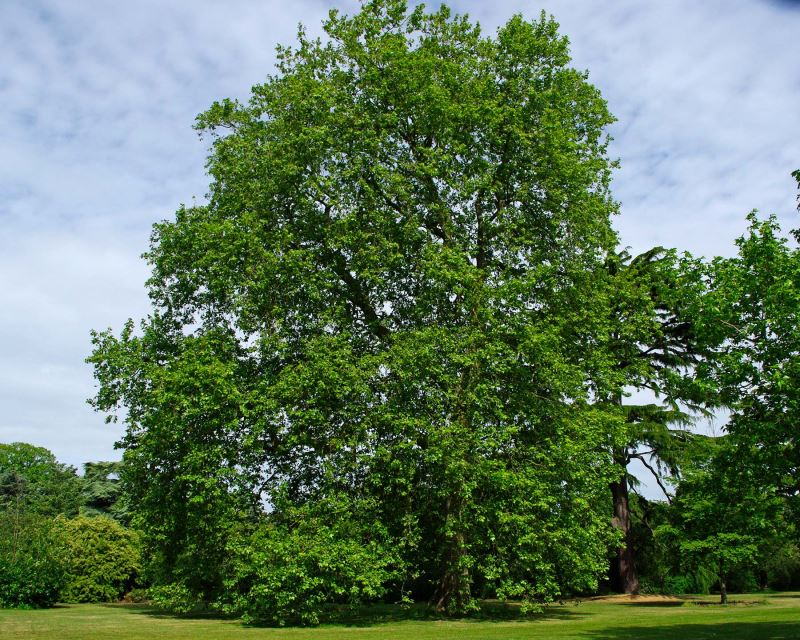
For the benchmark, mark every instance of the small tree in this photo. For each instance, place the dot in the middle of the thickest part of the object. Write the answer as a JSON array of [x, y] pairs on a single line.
[[725, 514]]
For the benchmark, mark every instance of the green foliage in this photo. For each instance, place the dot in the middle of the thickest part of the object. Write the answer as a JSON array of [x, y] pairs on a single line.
[[43, 555], [727, 551], [656, 341], [729, 515], [677, 585], [656, 348], [32, 479], [780, 566], [32, 568], [700, 579], [725, 519], [101, 490], [174, 597], [102, 559], [185, 470], [670, 563], [752, 313], [286, 569], [396, 293]]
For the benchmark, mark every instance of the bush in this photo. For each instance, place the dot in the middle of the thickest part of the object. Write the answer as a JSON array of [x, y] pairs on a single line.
[[32, 572], [678, 585], [103, 559], [174, 597], [288, 571], [781, 566]]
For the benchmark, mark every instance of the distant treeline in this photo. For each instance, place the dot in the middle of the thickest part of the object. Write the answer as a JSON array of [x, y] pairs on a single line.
[[62, 536]]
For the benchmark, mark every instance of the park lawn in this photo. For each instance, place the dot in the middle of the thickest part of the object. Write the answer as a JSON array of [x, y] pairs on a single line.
[[751, 617]]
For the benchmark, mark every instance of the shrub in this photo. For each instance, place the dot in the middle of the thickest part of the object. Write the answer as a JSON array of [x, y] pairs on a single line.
[[174, 597], [287, 571], [678, 585], [780, 565], [32, 572], [103, 559]]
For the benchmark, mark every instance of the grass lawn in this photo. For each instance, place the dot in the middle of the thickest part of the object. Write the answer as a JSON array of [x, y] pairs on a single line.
[[751, 617]]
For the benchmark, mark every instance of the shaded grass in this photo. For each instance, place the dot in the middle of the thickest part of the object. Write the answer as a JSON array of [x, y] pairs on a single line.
[[490, 611], [759, 617]]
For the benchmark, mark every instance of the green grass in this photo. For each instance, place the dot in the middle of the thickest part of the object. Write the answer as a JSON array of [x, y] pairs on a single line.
[[756, 617]]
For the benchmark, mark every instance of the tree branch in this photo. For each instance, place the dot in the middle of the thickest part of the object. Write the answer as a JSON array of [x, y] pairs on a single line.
[[655, 475]]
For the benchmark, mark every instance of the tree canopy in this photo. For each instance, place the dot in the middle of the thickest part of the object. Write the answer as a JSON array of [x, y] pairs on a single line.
[[387, 357], [31, 479], [395, 299], [753, 313]]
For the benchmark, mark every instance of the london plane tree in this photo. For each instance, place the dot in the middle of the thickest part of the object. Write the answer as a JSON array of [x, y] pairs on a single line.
[[393, 311]]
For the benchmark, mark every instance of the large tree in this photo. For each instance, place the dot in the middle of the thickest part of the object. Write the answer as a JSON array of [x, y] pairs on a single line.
[[753, 313], [32, 480], [396, 301], [101, 490], [656, 347]]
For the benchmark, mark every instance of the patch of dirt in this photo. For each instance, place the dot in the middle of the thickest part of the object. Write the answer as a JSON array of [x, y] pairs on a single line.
[[642, 599], [731, 603]]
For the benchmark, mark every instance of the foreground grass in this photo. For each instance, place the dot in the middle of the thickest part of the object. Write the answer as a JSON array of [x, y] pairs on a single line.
[[750, 617]]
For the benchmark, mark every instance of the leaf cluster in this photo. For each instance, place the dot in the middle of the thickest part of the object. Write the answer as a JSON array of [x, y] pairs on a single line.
[[102, 559]]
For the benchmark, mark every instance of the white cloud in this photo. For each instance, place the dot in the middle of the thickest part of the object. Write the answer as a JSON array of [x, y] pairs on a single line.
[[97, 101], [707, 96]]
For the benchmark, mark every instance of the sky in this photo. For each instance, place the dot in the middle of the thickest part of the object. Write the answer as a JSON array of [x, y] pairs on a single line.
[[97, 101]]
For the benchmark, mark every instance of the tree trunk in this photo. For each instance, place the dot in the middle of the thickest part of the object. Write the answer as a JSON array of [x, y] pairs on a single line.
[[452, 593], [763, 579], [623, 564], [723, 592]]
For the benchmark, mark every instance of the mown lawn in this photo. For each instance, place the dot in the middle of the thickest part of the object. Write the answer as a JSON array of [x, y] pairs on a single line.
[[751, 617]]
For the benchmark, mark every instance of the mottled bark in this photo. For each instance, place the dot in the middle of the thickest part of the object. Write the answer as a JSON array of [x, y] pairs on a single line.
[[452, 593]]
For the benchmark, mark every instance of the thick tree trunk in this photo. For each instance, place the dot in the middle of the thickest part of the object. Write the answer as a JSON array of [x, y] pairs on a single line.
[[452, 593], [723, 592], [623, 564]]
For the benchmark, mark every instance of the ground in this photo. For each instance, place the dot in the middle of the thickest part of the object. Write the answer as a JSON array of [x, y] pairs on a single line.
[[748, 617]]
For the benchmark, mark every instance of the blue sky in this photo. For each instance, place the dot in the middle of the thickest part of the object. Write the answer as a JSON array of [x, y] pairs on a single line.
[[97, 100]]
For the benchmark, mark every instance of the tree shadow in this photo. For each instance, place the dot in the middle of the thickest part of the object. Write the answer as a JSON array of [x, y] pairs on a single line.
[[156, 612], [376, 614], [720, 630], [659, 604], [379, 614], [730, 603]]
